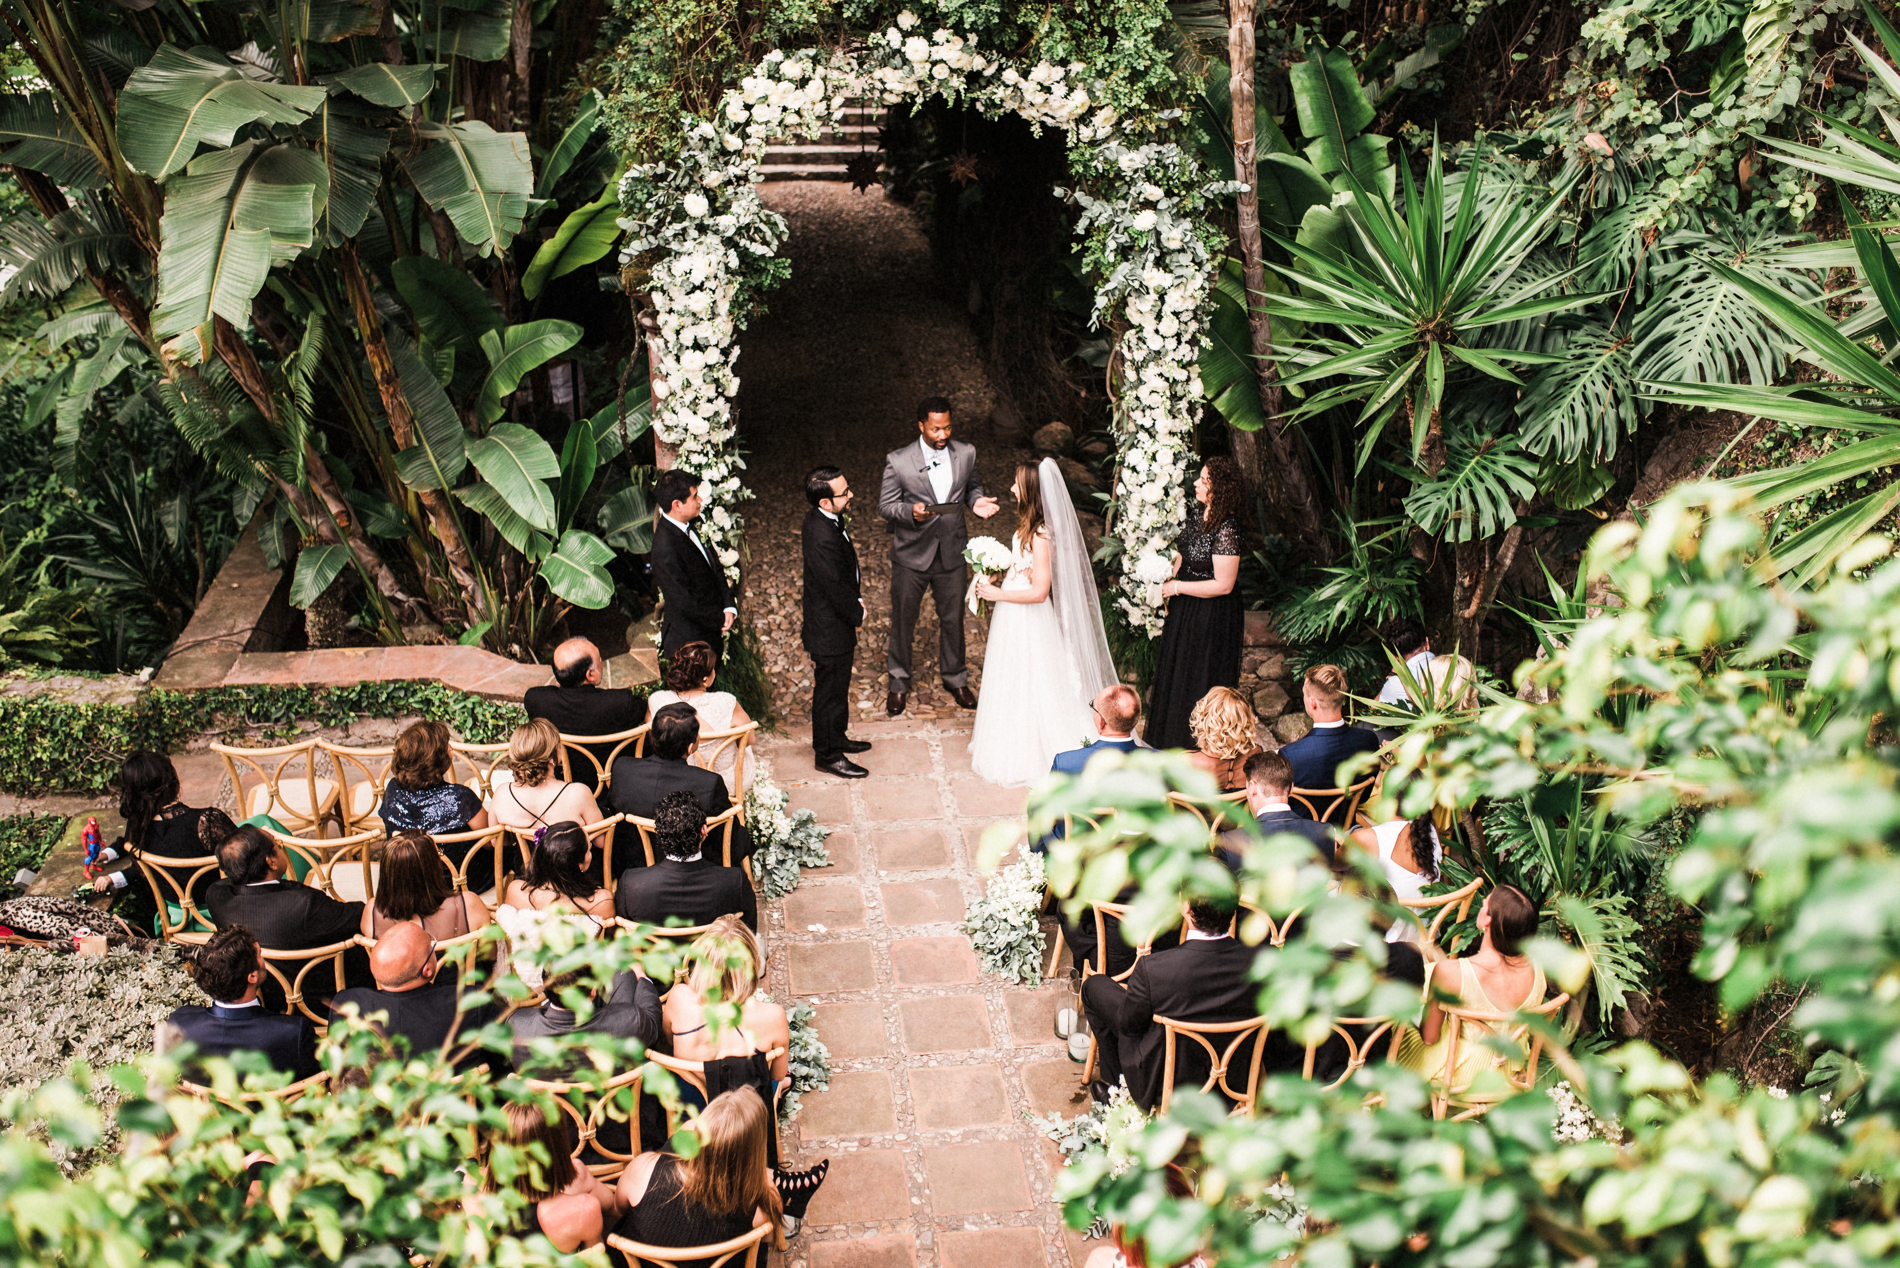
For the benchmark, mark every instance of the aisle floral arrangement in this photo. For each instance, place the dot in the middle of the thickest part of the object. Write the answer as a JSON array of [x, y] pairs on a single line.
[[1104, 1134], [1004, 923], [707, 246], [783, 840], [808, 1059]]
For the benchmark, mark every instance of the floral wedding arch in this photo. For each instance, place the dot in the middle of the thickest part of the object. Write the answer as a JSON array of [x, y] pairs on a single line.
[[698, 225]]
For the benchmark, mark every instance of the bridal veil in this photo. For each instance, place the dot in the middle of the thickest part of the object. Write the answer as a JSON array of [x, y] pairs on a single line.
[[1078, 607]]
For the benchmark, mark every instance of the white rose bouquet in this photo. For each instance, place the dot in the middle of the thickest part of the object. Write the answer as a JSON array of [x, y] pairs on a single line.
[[988, 558]]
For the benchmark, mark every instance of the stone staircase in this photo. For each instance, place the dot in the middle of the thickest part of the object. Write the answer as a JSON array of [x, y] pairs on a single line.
[[823, 158]]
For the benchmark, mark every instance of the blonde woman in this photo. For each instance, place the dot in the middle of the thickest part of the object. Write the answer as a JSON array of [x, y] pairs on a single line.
[[722, 1192], [537, 797], [1226, 734]]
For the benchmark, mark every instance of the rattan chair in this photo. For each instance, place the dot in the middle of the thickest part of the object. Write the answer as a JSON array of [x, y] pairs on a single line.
[[577, 756], [1474, 1095], [719, 832], [736, 742], [251, 1099], [1220, 814], [362, 774], [290, 971], [1322, 803], [586, 1107], [345, 868], [179, 919], [1204, 1034], [1358, 1047], [283, 783], [740, 1252], [482, 767], [1442, 905], [602, 834], [1100, 913], [493, 839]]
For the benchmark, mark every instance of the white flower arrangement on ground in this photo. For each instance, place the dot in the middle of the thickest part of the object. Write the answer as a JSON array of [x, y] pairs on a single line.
[[709, 245], [1108, 1128], [807, 1060], [1004, 923], [783, 840], [988, 559]]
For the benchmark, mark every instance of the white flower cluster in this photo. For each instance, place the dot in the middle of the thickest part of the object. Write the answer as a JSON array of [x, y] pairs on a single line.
[[783, 840], [1144, 209], [699, 218], [1111, 1128], [1003, 924], [987, 555], [1575, 1121]]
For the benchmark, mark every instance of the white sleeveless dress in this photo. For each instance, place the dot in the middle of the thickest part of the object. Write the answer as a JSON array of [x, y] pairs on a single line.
[[1033, 704]]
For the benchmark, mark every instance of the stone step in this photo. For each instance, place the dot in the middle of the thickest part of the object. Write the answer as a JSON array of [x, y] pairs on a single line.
[[775, 154], [805, 172]]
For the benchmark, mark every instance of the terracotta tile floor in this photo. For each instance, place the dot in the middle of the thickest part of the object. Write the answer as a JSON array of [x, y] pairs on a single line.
[[934, 1066]]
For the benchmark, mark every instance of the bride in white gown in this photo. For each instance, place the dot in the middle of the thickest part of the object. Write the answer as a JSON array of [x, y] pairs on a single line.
[[1047, 656]]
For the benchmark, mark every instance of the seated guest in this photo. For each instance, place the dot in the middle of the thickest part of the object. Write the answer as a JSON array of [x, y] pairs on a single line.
[[1408, 851], [284, 915], [411, 1000], [537, 796], [722, 1192], [566, 1204], [1116, 710], [1406, 637], [578, 705], [1316, 756], [640, 782], [1497, 978], [689, 675], [230, 969], [683, 883], [559, 886], [722, 966], [156, 822], [1226, 734], [415, 887], [420, 798], [1269, 782], [1205, 979], [630, 1011]]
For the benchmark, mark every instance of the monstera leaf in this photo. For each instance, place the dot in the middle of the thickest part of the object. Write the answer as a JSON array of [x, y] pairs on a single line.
[[480, 177], [35, 135], [233, 215], [185, 97], [1471, 498]]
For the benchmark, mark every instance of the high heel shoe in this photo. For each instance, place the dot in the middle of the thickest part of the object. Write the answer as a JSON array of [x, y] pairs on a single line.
[[797, 1188]]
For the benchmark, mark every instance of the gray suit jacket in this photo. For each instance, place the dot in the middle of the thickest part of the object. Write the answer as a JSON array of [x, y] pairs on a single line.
[[938, 542]]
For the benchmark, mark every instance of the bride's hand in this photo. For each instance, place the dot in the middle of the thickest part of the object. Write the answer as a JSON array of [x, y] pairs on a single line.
[[988, 590]]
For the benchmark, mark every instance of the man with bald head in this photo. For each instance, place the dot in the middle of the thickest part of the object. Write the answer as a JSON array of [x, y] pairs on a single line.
[[409, 1000], [578, 705]]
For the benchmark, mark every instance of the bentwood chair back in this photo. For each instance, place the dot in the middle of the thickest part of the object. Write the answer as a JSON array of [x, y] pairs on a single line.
[[251, 1099], [580, 763], [1226, 811], [740, 1252], [482, 767], [491, 840], [1439, 908], [1232, 1036], [172, 880], [1470, 1092], [1338, 806], [288, 975], [362, 774], [587, 1108], [716, 746], [602, 834], [1359, 1036], [719, 831], [282, 782], [345, 868]]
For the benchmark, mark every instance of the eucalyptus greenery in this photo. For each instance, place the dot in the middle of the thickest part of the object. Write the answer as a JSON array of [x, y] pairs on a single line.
[[1003, 923]]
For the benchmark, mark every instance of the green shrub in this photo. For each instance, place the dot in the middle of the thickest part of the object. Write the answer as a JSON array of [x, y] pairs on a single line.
[[26, 840]]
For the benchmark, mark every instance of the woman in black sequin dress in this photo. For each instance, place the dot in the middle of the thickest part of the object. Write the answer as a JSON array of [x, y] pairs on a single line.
[[1200, 645], [420, 798]]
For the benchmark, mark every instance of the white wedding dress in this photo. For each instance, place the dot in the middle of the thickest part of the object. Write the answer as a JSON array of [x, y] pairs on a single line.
[[1045, 662]]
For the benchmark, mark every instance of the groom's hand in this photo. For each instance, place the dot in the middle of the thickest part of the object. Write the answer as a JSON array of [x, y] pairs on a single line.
[[984, 507]]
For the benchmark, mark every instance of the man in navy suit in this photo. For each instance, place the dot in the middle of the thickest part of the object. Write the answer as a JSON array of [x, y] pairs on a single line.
[[699, 606], [1316, 756], [1269, 780], [230, 969], [1117, 709]]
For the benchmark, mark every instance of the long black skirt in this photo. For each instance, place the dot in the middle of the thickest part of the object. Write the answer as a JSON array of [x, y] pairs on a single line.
[[1200, 650]]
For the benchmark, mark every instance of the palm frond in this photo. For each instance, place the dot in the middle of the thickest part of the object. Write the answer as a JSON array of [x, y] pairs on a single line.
[[51, 255]]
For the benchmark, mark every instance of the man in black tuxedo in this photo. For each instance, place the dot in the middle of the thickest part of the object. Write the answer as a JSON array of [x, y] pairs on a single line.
[[927, 547], [284, 915], [1316, 755], [411, 1001], [577, 704], [682, 882], [1205, 979], [640, 782], [230, 969], [833, 612], [1269, 781], [699, 607]]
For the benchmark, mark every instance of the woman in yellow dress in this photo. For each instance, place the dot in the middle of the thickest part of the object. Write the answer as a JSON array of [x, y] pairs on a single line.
[[1497, 978]]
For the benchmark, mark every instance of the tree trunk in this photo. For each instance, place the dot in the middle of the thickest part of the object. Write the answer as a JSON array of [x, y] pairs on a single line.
[[1282, 460], [402, 426], [664, 453]]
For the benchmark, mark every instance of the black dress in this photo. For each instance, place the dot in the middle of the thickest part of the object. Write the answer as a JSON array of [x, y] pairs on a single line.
[[440, 810], [1200, 645], [663, 1217]]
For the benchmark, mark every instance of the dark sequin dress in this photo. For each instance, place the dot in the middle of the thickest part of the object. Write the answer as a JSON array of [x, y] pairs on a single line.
[[1200, 645], [439, 810]]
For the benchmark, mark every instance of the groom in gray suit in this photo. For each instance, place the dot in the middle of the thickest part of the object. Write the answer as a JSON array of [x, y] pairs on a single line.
[[927, 545]]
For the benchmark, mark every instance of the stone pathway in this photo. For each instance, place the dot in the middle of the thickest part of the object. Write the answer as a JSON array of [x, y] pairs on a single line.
[[934, 1065]]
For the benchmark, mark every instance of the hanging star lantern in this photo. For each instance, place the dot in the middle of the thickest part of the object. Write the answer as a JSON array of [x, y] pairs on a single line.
[[963, 167], [863, 172]]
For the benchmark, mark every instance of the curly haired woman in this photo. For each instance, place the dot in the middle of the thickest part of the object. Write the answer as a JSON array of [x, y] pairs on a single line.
[[1200, 645]]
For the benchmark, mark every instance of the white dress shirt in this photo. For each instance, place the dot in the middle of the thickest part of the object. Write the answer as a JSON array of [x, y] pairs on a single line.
[[1394, 691], [937, 467]]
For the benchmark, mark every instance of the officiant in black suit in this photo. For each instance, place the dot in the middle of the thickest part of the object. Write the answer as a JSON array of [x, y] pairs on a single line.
[[833, 611], [699, 607], [927, 546]]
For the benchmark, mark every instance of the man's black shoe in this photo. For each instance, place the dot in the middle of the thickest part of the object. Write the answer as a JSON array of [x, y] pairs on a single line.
[[1098, 1091], [843, 768], [962, 695], [857, 746]]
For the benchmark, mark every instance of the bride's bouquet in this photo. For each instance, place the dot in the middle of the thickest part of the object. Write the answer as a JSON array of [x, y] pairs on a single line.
[[988, 559]]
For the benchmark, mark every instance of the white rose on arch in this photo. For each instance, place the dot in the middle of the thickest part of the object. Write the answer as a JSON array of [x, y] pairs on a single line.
[[695, 205]]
